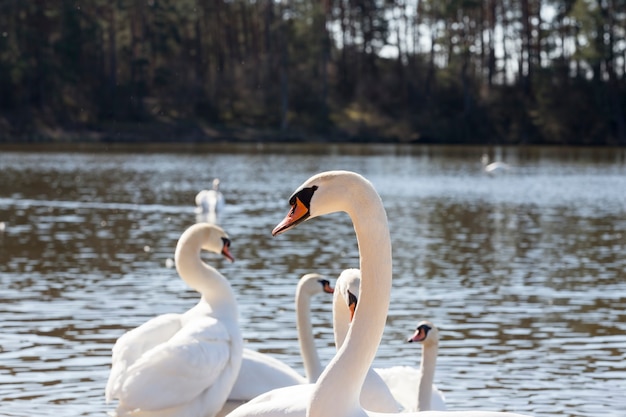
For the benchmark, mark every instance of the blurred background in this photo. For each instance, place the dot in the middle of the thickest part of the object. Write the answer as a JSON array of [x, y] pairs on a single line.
[[419, 71]]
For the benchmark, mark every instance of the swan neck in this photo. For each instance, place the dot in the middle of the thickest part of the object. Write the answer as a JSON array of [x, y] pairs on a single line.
[[427, 369], [202, 277], [348, 369], [312, 363]]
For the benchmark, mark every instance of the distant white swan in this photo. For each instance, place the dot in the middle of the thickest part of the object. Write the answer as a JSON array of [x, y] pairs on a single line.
[[183, 364], [261, 373], [412, 388], [337, 391], [493, 167], [210, 204]]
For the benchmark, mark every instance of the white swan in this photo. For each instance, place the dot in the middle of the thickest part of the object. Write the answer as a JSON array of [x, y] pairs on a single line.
[[493, 167], [413, 389], [336, 393], [210, 204], [261, 373], [183, 364], [429, 398], [308, 286]]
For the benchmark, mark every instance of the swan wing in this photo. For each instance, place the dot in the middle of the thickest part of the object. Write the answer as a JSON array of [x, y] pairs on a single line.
[[376, 395], [403, 382], [134, 343], [260, 373], [177, 371]]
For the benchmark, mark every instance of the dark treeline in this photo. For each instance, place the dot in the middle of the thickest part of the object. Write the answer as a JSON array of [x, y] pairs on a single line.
[[436, 71]]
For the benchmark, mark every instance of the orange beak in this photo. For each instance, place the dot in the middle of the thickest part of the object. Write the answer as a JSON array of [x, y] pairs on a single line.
[[297, 214], [226, 250]]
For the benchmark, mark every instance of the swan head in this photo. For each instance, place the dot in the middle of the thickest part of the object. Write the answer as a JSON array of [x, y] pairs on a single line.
[[313, 284], [216, 184], [426, 333], [321, 194], [208, 237], [348, 286]]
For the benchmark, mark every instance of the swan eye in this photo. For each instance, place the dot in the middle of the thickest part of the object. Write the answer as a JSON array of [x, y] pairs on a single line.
[[304, 195], [423, 330], [225, 249], [300, 210], [326, 286]]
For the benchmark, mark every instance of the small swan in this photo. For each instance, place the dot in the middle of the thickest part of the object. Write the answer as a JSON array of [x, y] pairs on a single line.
[[413, 389], [183, 364], [210, 204], [428, 397], [308, 286], [336, 393], [403, 380], [493, 167]]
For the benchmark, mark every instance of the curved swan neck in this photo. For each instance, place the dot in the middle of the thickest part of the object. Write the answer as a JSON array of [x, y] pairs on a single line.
[[427, 369], [205, 279], [352, 361], [312, 363]]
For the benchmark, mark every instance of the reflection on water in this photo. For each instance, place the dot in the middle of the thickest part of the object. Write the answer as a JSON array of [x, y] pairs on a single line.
[[523, 273]]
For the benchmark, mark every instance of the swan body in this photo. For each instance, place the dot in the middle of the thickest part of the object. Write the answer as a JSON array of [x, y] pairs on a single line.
[[210, 204], [260, 373], [182, 364], [493, 167], [336, 392], [413, 389]]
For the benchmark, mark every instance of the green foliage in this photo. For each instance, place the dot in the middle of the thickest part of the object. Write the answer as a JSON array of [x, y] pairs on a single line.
[[468, 71]]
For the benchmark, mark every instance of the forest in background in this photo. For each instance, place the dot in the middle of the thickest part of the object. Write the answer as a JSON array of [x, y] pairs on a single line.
[[415, 71]]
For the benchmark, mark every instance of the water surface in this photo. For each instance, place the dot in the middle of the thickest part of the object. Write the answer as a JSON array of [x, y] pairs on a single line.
[[523, 273]]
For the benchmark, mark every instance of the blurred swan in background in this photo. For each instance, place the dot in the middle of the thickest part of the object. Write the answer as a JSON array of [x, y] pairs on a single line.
[[210, 204], [493, 167]]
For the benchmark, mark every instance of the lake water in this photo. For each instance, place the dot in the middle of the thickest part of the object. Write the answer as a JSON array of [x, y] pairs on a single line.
[[524, 273]]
